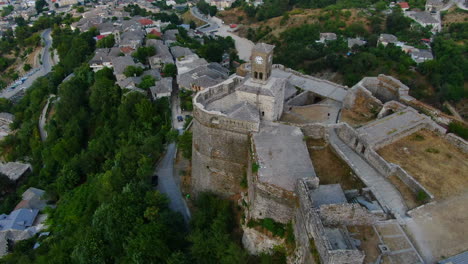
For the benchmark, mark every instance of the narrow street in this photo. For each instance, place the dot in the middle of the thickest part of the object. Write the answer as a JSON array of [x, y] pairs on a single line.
[[165, 168]]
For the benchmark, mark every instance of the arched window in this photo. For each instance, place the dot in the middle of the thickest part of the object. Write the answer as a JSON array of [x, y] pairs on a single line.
[[261, 76], [255, 75]]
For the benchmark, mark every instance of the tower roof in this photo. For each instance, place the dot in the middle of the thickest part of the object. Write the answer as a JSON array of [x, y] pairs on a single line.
[[263, 47]]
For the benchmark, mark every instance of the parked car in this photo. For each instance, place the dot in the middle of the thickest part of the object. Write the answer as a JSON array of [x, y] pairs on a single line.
[[154, 180], [180, 118]]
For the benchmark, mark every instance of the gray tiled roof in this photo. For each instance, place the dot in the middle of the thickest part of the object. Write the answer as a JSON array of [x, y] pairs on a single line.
[[18, 219], [170, 34], [424, 17], [161, 87], [389, 38], [121, 62], [14, 170], [178, 51], [202, 76]]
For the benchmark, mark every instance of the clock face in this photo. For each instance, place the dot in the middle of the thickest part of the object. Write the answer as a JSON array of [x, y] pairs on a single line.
[[259, 60]]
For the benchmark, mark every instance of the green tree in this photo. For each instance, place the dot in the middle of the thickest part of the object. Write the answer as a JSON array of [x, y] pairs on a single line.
[[185, 144], [142, 53], [131, 71], [169, 70], [106, 42], [40, 4], [146, 82]]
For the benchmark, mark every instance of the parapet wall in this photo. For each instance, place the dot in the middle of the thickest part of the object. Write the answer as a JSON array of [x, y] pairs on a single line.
[[315, 131], [283, 68], [217, 119]]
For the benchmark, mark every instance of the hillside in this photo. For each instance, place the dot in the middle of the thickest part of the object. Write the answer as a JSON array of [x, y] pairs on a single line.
[[294, 18]]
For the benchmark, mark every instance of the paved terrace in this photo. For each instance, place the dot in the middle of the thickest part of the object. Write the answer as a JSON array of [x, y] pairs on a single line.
[[308, 83], [379, 130], [282, 155]]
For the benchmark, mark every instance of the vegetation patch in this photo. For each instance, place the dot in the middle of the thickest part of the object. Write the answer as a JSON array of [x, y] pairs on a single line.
[[255, 167], [458, 129], [276, 229], [314, 251], [434, 162]]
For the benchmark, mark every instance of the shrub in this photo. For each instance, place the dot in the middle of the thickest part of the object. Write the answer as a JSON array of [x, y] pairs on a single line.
[[418, 137], [458, 129], [277, 229], [255, 167], [432, 150], [244, 183], [422, 196]]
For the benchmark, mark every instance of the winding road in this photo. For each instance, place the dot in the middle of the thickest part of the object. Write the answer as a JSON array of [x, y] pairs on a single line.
[[46, 67]]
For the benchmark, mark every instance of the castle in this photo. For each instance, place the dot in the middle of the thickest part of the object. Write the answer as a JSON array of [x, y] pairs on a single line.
[[241, 145]]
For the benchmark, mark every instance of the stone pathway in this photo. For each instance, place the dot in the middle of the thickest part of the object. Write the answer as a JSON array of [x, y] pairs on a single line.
[[400, 248], [384, 191]]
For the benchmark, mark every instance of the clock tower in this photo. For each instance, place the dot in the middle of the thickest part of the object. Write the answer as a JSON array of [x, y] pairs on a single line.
[[261, 61]]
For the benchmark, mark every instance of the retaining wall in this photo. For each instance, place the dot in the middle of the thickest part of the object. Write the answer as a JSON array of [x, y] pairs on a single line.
[[458, 142]]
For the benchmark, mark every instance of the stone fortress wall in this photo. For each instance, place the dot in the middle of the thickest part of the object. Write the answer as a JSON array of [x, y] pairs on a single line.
[[310, 228], [223, 154], [220, 144]]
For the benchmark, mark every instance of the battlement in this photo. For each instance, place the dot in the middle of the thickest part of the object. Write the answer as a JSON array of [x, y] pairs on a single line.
[[217, 119]]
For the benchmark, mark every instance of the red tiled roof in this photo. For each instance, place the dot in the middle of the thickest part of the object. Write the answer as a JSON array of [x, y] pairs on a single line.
[[126, 49], [155, 33], [233, 25], [145, 21], [99, 37], [403, 5]]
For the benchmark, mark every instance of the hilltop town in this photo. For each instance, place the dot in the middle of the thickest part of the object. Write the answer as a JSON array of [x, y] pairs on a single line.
[[233, 132]]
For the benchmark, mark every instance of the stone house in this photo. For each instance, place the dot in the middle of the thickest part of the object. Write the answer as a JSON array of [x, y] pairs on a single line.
[[162, 88], [324, 37], [426, 19], [386, 39], [421, 55]]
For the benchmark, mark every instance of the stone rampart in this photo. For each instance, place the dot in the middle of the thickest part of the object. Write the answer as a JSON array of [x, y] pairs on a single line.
[[309, 226], [267, 201], [217, 119], [346, 214], [219, 159], [220, 144]]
